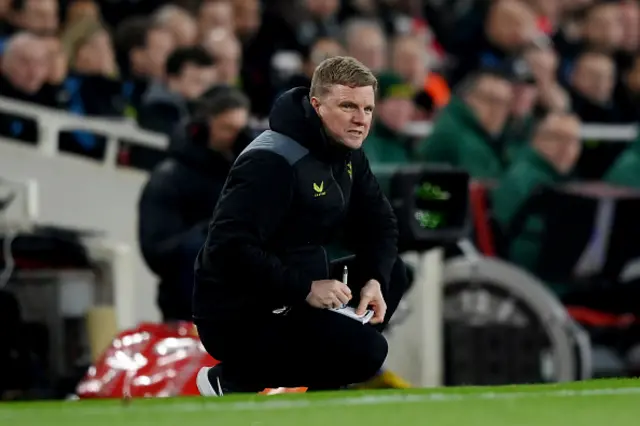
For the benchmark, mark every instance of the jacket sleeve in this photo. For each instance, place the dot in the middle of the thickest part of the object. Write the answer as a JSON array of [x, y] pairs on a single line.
[[372, 230], [253, 205], [165, 239]]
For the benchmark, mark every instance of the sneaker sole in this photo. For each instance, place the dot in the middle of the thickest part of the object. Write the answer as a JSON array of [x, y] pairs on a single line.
[[203, 384]]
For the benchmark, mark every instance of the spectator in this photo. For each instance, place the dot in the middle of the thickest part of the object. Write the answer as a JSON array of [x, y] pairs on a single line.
[[509, 27], [179, 22], [592, 83], [543, 62], [82, 9], [320, 20], [213, 15], [23, 76], [190, 72], [177, 202], [225, 49], [247, 19], [322, 49], [520, 124], [93, 87], [631, 31], [365, 40], [467, 133], [394, 110], [287, 31], [95, 83], [553, 153], [602, 29], [36, 16], [142, 49], [409, 60]]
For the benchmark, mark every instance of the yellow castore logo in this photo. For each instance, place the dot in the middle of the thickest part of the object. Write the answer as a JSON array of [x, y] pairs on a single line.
[[319, 189]]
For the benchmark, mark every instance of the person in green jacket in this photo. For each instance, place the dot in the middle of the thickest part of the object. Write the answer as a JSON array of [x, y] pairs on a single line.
[[625, 171], [394, 110], [548, 160], [467, 132]]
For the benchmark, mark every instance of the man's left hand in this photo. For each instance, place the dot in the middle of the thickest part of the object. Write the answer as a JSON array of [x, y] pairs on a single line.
[[371, 296]]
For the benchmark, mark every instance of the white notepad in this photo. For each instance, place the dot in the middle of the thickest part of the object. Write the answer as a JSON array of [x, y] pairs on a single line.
[[350, 312]]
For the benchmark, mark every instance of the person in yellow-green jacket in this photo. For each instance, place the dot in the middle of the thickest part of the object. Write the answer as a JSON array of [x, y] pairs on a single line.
[[467, 133], [625, 171], [548, 160], [394, 109]]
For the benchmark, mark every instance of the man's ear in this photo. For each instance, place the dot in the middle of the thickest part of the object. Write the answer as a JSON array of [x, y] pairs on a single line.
[[315, 103]]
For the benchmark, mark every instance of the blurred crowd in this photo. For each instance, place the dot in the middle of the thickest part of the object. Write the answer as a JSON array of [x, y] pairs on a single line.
[[507, 84], [150, 60]]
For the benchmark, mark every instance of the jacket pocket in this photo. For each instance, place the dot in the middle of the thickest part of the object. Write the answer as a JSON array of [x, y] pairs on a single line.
[[310, 261]]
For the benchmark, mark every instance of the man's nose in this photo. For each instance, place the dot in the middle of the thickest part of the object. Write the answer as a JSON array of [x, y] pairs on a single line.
[[358, 118]]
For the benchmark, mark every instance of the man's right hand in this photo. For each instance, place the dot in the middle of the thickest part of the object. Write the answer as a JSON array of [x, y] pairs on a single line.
[[327, 294]]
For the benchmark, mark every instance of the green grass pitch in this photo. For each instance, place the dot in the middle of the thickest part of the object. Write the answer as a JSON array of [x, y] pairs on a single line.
[[600, 402]]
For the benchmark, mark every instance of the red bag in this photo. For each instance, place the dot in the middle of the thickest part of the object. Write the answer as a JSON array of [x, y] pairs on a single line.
[[152, 360]]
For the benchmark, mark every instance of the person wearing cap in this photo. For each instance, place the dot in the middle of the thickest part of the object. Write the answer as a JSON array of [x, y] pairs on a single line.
[[468, 131], [386, 144]]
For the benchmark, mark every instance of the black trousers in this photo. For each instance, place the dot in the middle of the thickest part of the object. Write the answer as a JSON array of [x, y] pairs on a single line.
[[307, 347]]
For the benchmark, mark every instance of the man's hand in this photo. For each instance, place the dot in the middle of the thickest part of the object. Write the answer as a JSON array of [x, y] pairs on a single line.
[[327, 294], [371, 295]]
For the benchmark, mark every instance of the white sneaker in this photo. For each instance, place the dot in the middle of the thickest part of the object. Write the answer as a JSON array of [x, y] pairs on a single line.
[[205, 387]]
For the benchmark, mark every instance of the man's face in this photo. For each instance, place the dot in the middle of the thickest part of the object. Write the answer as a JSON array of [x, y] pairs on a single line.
[[322, 8], [225, 48], [408, 61], [193, 81], [594, 78], [160, 44], [511, 25], [96, 55], [395, 113], [346, 113], [184, 29], [39, 16], [247, 18], [27, 68], [228, 62], [491, 101], [321, 50], [604, 28], [631, 32], [369, 47], [559, 139], [214, 15], [225, 127]]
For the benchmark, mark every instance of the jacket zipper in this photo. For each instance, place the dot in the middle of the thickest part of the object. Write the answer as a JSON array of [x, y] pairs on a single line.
[[344, 202], [326, 261]]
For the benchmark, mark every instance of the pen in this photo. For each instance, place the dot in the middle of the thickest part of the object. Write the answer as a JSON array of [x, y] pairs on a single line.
[[345, 277]]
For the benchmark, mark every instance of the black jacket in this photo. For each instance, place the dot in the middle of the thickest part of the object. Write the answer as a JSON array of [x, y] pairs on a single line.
[[291, 193], [174, 211]]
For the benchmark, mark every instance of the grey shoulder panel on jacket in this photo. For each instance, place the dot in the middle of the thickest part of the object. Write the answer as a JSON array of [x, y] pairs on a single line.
[[279, 144]]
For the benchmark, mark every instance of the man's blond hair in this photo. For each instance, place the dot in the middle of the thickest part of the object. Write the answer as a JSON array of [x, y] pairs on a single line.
[[343, 71]]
